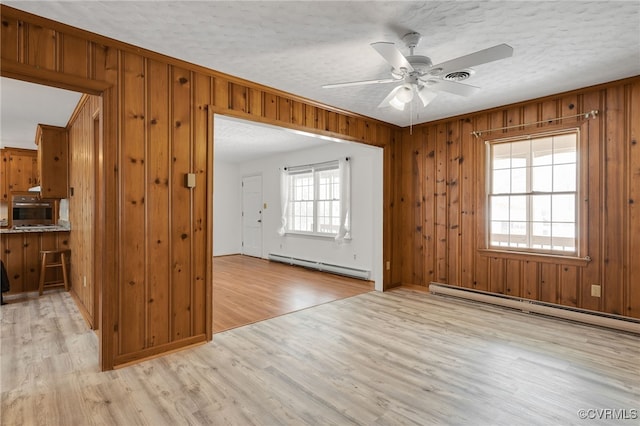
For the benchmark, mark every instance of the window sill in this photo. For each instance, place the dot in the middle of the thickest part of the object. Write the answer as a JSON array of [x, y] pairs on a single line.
[[313, 235], [536, 257]]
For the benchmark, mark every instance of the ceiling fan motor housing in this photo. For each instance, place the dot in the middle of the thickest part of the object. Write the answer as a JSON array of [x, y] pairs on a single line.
[[420, 63]]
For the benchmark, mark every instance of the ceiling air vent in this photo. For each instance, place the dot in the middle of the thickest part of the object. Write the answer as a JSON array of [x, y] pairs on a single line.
[[458, 75]]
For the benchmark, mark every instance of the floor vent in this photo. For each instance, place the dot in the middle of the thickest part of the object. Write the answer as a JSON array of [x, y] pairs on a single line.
[[320, 266], [601, 319]]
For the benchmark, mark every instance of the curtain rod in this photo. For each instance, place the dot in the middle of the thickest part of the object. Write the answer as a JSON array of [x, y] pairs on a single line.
[[315, 164], [587, 115]]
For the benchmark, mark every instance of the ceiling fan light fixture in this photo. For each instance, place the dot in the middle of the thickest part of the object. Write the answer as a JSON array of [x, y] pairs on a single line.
[[394, 102], [405, 94]]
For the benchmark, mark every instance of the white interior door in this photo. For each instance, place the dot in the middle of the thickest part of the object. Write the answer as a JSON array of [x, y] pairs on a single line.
[[252, 216]]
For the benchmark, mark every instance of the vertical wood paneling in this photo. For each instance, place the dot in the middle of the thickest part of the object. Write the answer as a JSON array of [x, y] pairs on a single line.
[[239, 98], [417, 190], [497, 275], [284, 110], [157, 203], [310, 117], [593, 167], [633, 144], [481, 262], [389, 209], [9, 39], [331, 121], [41, 47], [31, 246], [132, 187], [548, 282], [4, 167], [467, 205], [615, 204], [270, 106], [181, 212], [343, 124], [453, 202], [568, 277], [201, 148], [73, 60], [429, 207], [82, 135], [297, 113], [321, 119], [441, 203], [513, 283], [13, 257], [403, 265], [531, 280], [221, 93], [255, 102]]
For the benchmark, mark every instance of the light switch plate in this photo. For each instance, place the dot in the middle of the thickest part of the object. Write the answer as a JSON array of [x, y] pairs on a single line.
[[190, 180]]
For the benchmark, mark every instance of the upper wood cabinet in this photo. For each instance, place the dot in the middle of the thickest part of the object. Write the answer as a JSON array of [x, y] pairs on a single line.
[[18, 171], [53, 161]]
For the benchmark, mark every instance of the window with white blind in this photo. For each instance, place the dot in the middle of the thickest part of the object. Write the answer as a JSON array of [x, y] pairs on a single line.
[[533, 193], [316, 199]]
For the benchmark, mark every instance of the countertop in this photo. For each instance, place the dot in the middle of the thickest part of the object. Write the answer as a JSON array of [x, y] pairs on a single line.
[[31, 230]]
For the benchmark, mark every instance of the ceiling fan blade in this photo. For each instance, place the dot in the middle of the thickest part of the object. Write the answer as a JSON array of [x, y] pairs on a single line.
[[359, 83], [501, 51], [426, 95], [451, 87], [385, 101], [391, 54]]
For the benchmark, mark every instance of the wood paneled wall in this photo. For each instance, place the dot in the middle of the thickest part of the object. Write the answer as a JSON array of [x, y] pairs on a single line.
[[154, 233], [439, 219], [83, 129]]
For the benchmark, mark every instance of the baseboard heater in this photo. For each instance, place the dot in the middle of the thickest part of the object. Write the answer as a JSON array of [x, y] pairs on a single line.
[[321, 266], [601, 319]]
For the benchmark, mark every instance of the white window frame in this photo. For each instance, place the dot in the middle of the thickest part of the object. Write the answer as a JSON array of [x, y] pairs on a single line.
[[314, 170], [527, 246]]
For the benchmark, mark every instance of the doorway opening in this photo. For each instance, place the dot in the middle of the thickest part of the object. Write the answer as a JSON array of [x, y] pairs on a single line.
[[247, 210]]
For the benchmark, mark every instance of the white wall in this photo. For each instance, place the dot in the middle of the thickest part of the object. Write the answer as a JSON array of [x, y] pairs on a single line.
[[227, 207], [364, 250]]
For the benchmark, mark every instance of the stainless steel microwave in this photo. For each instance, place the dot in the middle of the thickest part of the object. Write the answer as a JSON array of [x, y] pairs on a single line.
[[29, 210]]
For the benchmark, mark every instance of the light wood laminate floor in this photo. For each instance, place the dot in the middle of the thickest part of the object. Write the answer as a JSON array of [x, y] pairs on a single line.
[[394, 358], [247, 290]]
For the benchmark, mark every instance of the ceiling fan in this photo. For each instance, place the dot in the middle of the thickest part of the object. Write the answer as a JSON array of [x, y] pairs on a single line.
[[420, 77]]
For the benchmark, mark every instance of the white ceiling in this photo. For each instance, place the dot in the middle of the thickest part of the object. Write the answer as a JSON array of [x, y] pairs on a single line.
[[298, 46], [238, 141], [24, 105]]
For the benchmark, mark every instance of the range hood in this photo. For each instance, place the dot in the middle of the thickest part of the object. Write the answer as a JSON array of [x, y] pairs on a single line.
[[34, 189]]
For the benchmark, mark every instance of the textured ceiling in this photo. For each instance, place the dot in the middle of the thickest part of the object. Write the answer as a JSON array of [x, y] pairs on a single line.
[[299, 46]]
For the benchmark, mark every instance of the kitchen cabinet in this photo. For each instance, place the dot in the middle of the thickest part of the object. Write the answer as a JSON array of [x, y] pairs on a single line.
[[19, 171], [53, 161], [21, 256]]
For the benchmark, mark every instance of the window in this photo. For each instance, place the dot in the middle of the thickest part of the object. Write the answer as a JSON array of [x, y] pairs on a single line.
[[316, 199], [532, 193]]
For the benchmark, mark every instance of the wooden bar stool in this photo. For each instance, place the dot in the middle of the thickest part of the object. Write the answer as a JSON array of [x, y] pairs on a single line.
[[54, 259]]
